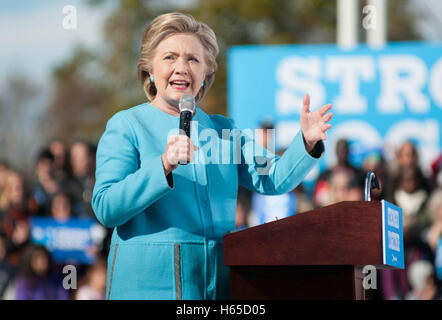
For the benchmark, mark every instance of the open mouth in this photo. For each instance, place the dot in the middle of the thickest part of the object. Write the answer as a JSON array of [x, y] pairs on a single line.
[[179, 84]]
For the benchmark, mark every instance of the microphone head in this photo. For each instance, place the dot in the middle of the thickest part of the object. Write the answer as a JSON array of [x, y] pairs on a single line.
[[187, 103]]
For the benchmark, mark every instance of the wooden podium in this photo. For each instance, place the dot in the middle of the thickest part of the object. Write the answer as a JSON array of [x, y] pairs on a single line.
[[313, 255]]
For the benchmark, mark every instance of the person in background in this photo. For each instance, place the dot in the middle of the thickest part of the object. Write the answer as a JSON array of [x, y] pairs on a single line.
[[37, 280], [45, 185], [4, 171], [81, 184], [61, 163], [407, 156], [321, 191], [434, 212], [412, 196], [61, 206], [376, 163], [421, 278], [94, 287], [433, 234], [436, 171], [16, 207], [339, 183], [304, 203], [7, 272]]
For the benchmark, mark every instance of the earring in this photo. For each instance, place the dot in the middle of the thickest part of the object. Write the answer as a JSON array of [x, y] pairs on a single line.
[[152, 79], [202, 84]]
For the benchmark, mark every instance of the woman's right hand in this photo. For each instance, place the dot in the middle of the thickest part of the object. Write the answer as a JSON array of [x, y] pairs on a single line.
[[179, 149]]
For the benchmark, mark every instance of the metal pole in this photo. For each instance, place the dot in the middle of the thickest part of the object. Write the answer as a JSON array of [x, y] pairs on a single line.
[[347, 23]]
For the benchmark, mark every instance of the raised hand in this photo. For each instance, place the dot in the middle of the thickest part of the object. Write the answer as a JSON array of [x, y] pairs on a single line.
[[314, 124]]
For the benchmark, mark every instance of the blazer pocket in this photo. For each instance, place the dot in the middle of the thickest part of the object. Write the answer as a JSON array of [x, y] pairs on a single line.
[[143, 271]]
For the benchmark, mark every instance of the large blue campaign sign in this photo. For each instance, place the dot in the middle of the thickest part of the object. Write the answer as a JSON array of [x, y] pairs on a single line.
[[380, 98], [70, 241]]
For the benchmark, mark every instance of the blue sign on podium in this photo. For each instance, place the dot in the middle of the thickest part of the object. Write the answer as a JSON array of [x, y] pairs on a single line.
[[392, 235]]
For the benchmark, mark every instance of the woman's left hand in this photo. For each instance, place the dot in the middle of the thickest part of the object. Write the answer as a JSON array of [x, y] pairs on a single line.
[[314, 124]]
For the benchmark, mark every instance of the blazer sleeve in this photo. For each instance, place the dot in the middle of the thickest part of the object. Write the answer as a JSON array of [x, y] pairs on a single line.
[[124, 185], [264, 172]]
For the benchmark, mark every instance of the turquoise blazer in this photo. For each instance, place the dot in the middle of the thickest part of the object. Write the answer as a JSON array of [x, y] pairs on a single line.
[[167, 237]]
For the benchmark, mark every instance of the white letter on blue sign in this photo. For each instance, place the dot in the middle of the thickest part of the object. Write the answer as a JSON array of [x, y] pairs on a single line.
[[296, 77], [348, 70], [435, 85], [395, 87]]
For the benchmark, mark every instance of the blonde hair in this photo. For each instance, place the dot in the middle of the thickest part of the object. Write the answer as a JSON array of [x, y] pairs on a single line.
[[5, 201], [169, 24]]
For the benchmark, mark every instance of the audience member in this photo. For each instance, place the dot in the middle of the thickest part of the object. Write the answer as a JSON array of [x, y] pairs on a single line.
[[61, 167], [37, 279], [376, 163], [6, 270], [421, 278], [407, 156], [433, 234], [436, 171], [321, 191], [64, 183], [81, 184], [61, 206], [15, 209], [94, 287], [45, 185], [412, 196], [410, 191], [4, 171], [338, 186], [303, 201]]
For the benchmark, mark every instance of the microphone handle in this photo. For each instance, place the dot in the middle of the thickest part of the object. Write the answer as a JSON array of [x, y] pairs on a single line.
[[185, 118]]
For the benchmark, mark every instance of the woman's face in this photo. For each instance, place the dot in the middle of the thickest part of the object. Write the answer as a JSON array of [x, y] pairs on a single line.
[[39, 263], [179, 67], [61, 208], [15, 189]]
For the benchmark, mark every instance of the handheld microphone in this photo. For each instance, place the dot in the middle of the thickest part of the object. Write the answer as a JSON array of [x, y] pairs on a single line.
[[186, 106]]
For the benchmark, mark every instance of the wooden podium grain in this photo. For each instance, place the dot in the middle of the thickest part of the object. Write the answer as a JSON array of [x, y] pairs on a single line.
[[313, 255]]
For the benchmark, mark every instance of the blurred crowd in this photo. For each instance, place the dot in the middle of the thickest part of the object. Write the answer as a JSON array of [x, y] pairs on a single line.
[[404, 182], [59, 189], [63, 180]]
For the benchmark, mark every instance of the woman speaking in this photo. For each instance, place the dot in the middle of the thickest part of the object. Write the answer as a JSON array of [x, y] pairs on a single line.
[[170, 218]]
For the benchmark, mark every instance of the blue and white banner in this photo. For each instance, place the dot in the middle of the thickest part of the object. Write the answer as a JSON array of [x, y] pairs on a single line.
[[73, 240], [380, 98], [392, 235]]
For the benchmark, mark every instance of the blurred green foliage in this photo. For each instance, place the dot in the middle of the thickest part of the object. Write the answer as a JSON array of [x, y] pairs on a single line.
[[92, 85]]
